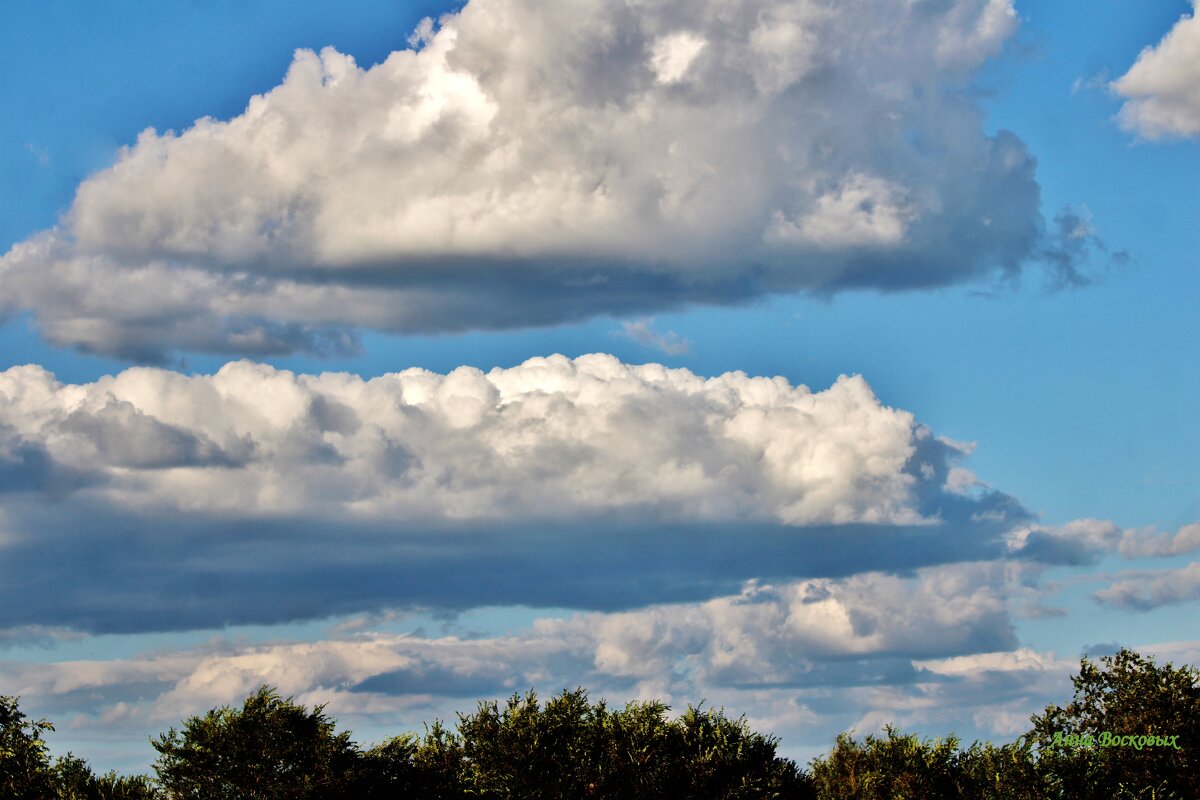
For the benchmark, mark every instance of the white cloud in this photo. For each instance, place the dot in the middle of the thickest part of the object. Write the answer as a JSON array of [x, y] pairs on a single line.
[[1080, 541], [528, 165], [807, 635], [932, 652], [642, 331], [773, 634], [549, 439], [1162, 88], [1084, 541], [672, 54], [1147, 590], [1149, 543]]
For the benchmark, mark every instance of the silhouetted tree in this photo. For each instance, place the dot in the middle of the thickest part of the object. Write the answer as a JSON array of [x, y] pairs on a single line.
[[24, 759], [572, 748], [269, 749]]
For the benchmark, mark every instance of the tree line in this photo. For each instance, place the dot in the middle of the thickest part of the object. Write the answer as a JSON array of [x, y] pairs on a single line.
[[1132, 730]]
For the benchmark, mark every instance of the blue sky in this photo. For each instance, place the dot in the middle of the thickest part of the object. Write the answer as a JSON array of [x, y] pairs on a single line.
[[1074, 379]]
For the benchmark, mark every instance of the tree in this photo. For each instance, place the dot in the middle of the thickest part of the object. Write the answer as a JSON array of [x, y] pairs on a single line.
[[1002, 772], [269, 749], [569, 747], [723, 758], [1123, 697], [74, 780], [896, 766], [24, 760]]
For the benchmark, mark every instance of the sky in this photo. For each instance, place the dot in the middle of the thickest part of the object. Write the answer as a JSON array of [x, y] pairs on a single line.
[[834, 363]]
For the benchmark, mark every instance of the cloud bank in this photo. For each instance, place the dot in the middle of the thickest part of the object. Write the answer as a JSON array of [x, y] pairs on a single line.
[[1162, 88], [523, 164], [782, 649], [152, 500]]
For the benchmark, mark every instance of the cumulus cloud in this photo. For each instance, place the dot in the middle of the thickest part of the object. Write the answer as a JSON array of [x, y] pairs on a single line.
[[805, 635], [551, 438], [771, 635], [1082, 541], [1150, 543], [587, 483], [1148, 590], [523, 165], [933, 651], [1162, 88], [1085, 541]]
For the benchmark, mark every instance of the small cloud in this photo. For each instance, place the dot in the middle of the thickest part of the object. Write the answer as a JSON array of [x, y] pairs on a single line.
[[642, 331], [423, 34], [1070, 248], [1145, 591], [1092, 83], [40, 153]]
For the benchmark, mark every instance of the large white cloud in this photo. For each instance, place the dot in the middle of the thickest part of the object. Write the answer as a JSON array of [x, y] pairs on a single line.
[[549, 439], [1162, 88], [528, 164]]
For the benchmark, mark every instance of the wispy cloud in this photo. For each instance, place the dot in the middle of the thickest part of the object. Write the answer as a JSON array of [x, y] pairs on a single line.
[[642, 331]]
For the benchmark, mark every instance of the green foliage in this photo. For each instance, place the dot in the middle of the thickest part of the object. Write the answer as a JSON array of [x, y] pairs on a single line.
[[723, 758], [24, 760], [903, 766], [894, 767], [269, 749], [570, 748], [74, 780], [1125, 694], [1002, 772]]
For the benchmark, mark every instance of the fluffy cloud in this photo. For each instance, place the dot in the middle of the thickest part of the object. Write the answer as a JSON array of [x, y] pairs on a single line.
[[525, 164], [587, 483], [1147, 590], [549, 439], [1162, 88], [933, 651], [1149, 543], [804, 635], [772, 635], [1085, 541]]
